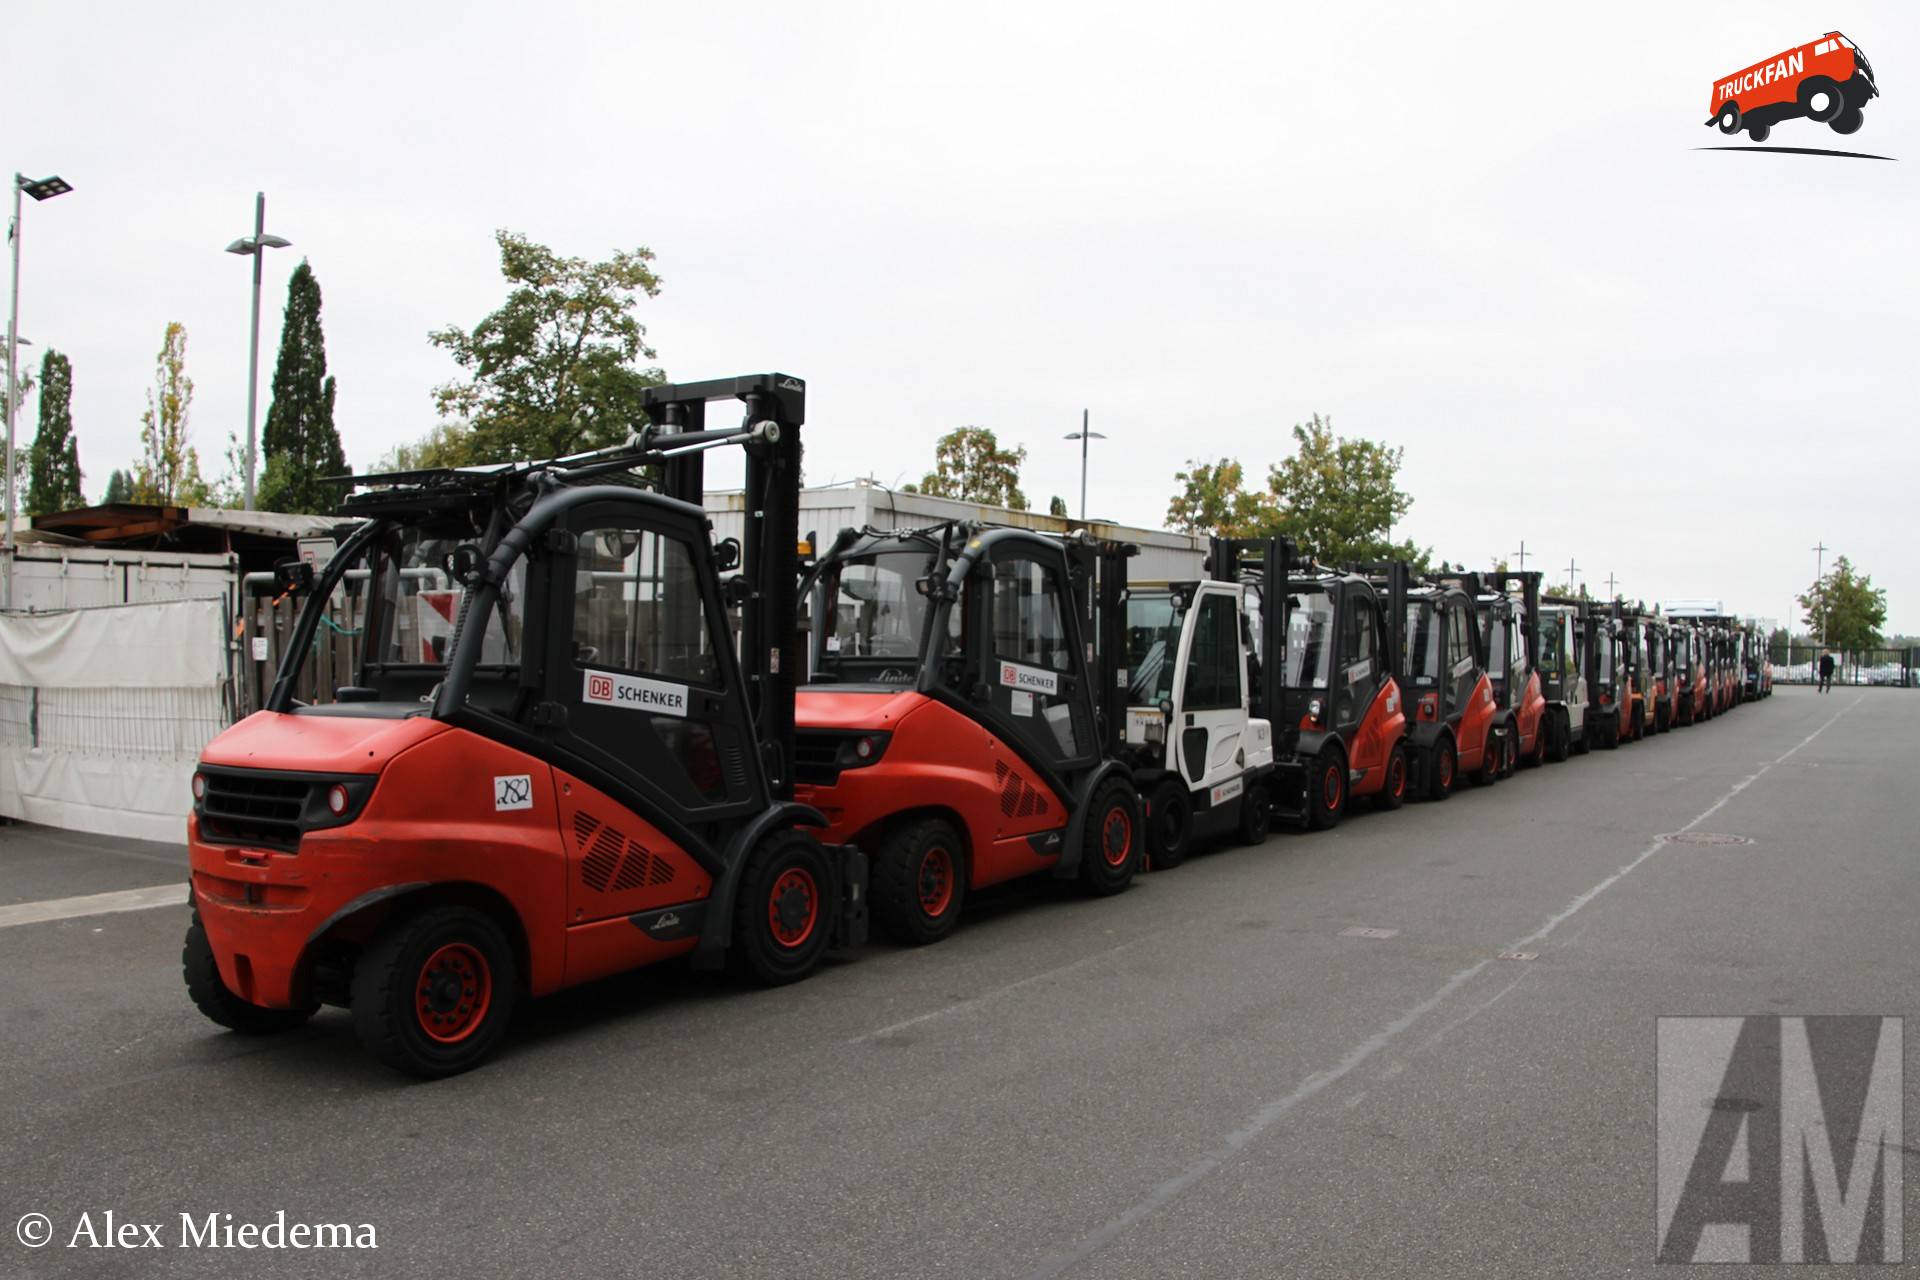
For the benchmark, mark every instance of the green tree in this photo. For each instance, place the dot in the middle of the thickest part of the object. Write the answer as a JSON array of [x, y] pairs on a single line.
[[53, 463], [1845, 611], [1336, 498], [446, 444], [299, 442], [119, 487], [1056, 505], [168, 472], [1213, 501], [556, 369], [969, 464]]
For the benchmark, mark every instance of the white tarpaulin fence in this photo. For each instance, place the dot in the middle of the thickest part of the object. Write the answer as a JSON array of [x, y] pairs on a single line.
[[103, 713]]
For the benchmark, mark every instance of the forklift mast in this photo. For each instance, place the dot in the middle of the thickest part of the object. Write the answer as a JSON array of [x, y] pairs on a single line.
[[1397, 577], [1098, 572], [768, 640], [1266, 561], [1525, 584]]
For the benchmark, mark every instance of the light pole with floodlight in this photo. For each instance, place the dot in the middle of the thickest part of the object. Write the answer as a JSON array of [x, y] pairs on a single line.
[[1083, 435], [39, 189], [255, 246]]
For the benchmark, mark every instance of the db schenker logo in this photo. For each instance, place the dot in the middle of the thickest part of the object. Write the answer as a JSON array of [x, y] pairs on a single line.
[[1827, 81]]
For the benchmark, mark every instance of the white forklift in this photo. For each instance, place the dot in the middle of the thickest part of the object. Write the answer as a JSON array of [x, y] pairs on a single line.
[[1565, 625], [1195, 735]]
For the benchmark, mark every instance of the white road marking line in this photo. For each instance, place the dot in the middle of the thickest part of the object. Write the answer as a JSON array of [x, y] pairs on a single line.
[[996, 993], [1273, 1112], [94, 904]]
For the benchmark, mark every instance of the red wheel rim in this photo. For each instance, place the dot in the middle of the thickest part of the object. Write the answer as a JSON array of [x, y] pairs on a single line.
[[1446, 768], [454, 992], [1116, 837], [793, 907], [1397, 774], [1330, 787], [936, 882]]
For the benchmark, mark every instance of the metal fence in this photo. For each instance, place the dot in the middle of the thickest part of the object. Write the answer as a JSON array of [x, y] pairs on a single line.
[[1800, 664]]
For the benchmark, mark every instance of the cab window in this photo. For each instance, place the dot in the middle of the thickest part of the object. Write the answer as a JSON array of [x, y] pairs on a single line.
[[1213, 661], [637, 607], [1029, 620]]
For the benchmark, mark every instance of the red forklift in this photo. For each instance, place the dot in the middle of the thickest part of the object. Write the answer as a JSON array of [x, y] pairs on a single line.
[[1657, 647], [580, 779], [953, 723], [1326, 680], [1690, 671], [1612, 714], [1509, 607], [1442, 673]]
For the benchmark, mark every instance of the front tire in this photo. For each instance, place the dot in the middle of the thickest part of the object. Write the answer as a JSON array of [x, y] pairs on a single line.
[[1729, 119], [1848, 121], [785, 910], [212, 997], [1110, 842], [1326, 791], [920, 882], [1169, 824], [1393, 791], [1759, 132], [1444, 769], [1256, 815], [433, 992], [1557, 737]]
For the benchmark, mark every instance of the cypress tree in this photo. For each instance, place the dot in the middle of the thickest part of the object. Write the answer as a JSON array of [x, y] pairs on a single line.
[[299, 442], [119, 488], [53, 463]]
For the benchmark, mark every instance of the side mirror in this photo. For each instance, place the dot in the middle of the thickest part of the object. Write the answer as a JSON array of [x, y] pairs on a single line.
[[726, 554], [293, 576], [464, 564], [736, 592], [1166, 709], [924, 586]]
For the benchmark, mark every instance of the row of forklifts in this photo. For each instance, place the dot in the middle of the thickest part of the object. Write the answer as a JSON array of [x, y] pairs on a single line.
[[637, 744]]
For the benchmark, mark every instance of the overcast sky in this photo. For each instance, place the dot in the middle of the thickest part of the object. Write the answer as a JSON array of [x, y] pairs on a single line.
[[1479, 233]]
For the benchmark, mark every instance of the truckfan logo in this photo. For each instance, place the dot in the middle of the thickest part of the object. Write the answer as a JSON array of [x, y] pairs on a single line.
[[1779, 1139], [1826, 81]]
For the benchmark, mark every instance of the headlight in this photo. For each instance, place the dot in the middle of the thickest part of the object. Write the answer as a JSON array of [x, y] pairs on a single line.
[[1314, 708]]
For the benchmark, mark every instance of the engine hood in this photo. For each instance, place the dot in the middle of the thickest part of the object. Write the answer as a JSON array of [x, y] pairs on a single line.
[[317, 744], [830, 707]]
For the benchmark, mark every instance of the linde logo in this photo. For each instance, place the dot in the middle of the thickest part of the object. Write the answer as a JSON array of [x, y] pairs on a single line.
[[1780, 1139], [612, 689]]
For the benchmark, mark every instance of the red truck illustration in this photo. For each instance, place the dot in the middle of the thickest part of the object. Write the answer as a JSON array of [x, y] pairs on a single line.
[[1828, 81]]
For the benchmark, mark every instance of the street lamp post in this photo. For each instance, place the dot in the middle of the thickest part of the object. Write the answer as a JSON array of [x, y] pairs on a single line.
[[1083, 436], [255, 247], [39, 189], [1819, 577]]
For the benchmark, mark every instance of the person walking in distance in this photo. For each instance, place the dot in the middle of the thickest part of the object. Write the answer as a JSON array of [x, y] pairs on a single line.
[[1826, 672]]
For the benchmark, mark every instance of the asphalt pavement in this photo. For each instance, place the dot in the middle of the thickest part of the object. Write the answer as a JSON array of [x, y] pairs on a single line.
[[1210, 1075]]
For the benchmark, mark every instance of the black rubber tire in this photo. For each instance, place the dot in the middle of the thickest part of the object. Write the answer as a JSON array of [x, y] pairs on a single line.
[[222, 1006], [1663, 719], [1169, 824], [1759, 132], [1256, 815], [1814, 85], [908, 871], [1443, 770], [385, 1005], [1489, 771], [1393, 789], [1558, 737], [1327, 790], [1848, 121], [1610, 732], [756, 954], [1112, 828], [1729, 119]]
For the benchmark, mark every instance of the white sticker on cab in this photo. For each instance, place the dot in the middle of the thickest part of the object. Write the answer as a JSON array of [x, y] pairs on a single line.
[[1032, 679], [612, 689], [514, 791]]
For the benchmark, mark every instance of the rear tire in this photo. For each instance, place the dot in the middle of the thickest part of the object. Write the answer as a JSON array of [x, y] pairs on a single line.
[[784, 910], [432, 993], [1729, 119], [1818, 86], [1393, 791], [1169, 824], [212, 997], [1110, 843], [920, 882], [1443, 771], [1848, 121], [1326, 790], [1759, 132]]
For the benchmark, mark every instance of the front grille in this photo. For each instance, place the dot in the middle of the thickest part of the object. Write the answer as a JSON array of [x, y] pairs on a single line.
[[242, 807], [816, 758]]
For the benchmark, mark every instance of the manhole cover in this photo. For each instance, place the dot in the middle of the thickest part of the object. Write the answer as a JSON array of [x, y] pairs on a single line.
[[1518, 955], [1363, 931], [1704, 837]]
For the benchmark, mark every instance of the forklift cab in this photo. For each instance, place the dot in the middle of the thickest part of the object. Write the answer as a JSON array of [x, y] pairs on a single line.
[[1609, 679], [1563, 675], [953, 718]]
